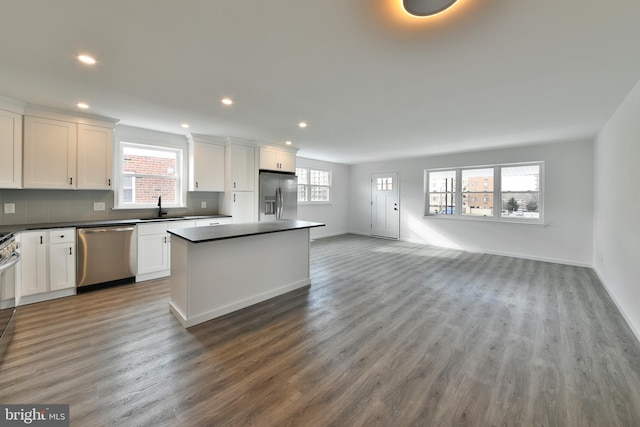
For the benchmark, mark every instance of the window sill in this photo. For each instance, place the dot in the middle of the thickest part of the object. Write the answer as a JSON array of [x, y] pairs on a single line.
[[484, 219]]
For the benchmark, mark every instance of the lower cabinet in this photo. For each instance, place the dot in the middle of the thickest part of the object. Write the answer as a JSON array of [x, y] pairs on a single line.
[[154, 248], [48, 264]]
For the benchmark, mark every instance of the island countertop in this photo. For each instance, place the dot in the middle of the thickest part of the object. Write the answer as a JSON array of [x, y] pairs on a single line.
[[232, 231]]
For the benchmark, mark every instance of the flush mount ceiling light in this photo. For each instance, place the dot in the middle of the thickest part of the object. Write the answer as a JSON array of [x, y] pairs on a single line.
[[82, 105], [302, 124], [227, 101], [86, 59], [423, 8], [185, 125]]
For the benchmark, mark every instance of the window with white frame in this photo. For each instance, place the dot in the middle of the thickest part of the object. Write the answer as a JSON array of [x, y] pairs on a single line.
[[314, 185], [498, 192], [147, 172]]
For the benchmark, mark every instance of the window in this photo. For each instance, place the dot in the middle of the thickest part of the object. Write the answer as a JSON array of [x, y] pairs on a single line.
[[471, 195], [442, 192], [500, 192], [147, 172], [385, 184], [521, 191], [314, 185]]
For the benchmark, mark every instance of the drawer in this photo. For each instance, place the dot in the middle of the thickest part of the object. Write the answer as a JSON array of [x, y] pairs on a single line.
[[62, 235], [155, 228], [213, 221]]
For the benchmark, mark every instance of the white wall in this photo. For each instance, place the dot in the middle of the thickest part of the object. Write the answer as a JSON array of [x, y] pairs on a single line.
[[567, 238], [617, 226], [334, 215]]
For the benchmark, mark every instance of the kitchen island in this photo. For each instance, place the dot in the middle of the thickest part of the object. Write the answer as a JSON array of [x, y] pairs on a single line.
[[220, 269]]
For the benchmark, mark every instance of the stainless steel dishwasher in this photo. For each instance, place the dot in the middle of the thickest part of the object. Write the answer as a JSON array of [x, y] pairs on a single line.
[[106, 254]]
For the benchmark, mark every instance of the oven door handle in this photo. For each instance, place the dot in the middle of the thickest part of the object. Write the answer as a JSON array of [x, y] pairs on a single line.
[[13, 260]]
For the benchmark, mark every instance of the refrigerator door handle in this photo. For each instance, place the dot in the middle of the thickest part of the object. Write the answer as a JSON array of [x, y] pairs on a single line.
[[278, 203]]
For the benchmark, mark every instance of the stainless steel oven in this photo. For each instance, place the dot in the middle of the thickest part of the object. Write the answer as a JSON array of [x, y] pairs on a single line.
[[9, 258]]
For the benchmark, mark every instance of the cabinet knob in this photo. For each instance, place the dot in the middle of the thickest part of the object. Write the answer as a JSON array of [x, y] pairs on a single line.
[[62, 236]]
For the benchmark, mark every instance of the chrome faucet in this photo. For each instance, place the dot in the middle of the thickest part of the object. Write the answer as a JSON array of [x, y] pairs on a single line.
[[160, 211]]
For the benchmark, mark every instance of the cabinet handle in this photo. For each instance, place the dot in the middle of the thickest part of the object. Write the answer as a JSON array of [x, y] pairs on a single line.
[[234, 198], [70, 251], [40, 239], [196, 184], [109, 182], [165, 239], [234, 185], [71, 181]]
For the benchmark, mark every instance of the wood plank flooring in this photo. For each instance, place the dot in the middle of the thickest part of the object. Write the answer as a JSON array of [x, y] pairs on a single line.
[[389, 334]]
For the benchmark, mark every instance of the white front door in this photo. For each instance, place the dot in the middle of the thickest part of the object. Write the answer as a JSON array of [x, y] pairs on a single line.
[[385, 209]]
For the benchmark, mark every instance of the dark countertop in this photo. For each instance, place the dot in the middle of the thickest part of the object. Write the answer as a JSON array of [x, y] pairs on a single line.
[[232, 231], [99, 223]]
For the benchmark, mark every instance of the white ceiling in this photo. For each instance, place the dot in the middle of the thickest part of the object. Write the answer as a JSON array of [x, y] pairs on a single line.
[[372, 83]]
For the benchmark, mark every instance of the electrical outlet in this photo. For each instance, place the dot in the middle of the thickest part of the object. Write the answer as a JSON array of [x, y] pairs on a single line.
[[9, 208], [99, 206], [203, 205]]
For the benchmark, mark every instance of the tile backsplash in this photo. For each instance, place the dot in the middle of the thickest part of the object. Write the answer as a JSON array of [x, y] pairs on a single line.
[[45, 206]]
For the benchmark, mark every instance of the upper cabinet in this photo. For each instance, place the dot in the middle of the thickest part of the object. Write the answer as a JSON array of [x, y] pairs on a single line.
[[206, 164], [95, 157], [11, 149], [64, 154], [277, 160], [240, 167], [50, 153]]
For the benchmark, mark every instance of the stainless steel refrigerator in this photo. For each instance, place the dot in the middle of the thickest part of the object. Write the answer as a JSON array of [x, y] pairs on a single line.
[[278, 196]]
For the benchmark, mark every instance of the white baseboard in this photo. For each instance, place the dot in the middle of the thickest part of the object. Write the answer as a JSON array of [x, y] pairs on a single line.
[[615, 301]]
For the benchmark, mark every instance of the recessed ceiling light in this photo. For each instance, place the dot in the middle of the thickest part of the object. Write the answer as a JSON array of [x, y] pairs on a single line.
[[185, 125], [227, 101], [82, 105], [86, 59], [424, 8], [302, 124], [288, 142]]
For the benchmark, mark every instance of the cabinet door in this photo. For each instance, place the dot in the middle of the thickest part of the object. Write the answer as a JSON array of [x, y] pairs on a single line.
[[62, 266], [95, 157], [268, 159], [242, 166], [11, 149], [33, 262], [208, 167], [49, 153], [153, 253], [243, 209], [287, 161]]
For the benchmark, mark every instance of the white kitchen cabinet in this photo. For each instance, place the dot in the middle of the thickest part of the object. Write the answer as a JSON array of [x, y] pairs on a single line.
[[62, 259], [64, 152], [50, 150], [95, 157], [154, 248], [206, 162], [277, 160], [48, 264], [242, 206], [33, 262], [240, 167], [11, 149], [238, 199], [213, 221]]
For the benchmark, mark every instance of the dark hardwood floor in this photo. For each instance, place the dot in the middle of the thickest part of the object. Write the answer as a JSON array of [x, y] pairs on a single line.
[[389, 334]]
